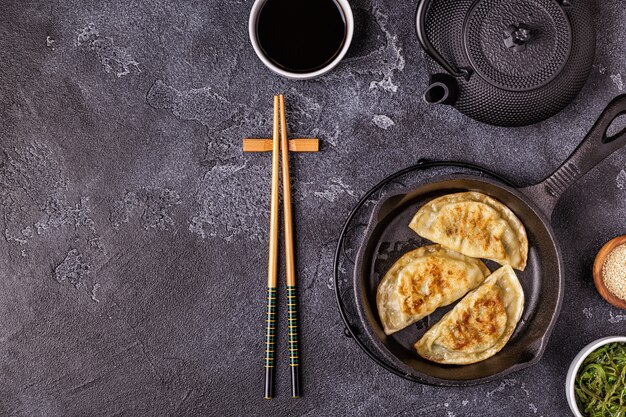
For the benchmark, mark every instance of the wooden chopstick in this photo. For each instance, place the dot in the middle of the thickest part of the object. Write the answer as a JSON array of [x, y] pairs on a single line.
[[290, 272], [272, 268]]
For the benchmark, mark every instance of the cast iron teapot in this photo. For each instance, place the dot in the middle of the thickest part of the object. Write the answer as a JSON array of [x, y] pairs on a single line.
[[506, 62]]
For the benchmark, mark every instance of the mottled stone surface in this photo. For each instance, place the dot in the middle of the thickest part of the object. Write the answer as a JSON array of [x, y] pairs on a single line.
[[133, 231]]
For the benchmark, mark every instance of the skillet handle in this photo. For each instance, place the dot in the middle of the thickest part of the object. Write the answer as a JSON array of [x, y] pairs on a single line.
[[592, 150]]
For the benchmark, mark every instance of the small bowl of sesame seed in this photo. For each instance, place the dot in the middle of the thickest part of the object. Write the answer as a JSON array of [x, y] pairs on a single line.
[[609, 272]]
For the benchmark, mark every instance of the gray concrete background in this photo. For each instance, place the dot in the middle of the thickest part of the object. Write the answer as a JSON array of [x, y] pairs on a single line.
[[134, 230]]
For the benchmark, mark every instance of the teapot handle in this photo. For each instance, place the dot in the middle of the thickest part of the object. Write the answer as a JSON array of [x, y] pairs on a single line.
[[420, 23]]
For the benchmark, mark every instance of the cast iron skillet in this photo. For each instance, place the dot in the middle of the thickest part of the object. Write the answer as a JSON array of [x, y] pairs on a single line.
[[388, 237]]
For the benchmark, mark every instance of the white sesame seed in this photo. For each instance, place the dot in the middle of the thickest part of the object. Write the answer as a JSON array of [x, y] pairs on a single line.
[[614, 271]]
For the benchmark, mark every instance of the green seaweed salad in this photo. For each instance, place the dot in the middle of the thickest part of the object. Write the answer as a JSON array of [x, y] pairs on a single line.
[[601, 382]]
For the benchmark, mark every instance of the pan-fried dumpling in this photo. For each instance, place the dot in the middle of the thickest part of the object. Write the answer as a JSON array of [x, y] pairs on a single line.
[[479, 325], [475, 225], [422, 280]]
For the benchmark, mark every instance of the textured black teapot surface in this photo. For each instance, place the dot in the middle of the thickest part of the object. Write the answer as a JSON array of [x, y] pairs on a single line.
[[507, 63]]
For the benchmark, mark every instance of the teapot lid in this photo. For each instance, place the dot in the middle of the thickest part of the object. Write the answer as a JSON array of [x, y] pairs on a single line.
[[518, 45]]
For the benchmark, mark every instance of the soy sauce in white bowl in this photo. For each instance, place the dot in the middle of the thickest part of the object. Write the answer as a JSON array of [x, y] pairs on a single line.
[[301, 36]]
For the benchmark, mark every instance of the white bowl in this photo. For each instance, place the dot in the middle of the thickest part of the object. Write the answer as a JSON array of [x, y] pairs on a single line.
[[254, 14], [578, 360]]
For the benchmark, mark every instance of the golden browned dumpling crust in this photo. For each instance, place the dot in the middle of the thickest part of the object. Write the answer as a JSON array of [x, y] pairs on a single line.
[[475, 225], [423, 280], [480, 325]]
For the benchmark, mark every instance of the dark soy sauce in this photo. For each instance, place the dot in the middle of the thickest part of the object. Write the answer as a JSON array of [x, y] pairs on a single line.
[[301, 35]]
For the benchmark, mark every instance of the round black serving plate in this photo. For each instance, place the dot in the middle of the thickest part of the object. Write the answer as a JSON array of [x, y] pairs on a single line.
[[351, 239]]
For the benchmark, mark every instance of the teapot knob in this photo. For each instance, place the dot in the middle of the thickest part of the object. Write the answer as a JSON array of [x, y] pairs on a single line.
[[516, 37]]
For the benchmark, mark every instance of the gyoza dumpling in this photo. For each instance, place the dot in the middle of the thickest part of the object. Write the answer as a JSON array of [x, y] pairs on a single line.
[[422, 280], [475, 225], [479, 325]]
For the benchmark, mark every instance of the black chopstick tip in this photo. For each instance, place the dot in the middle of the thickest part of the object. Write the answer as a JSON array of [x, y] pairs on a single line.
[[269, 383], [295, 382]]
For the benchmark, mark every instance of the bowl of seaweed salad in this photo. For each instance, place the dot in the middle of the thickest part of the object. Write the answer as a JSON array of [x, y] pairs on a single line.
[[596, 380]]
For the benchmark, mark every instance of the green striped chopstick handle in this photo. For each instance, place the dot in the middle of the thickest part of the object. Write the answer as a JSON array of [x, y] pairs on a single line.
[[270, 342], [294, 359]]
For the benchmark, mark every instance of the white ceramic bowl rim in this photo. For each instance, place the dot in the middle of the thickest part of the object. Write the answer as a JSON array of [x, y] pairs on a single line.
[[347, 11], [575, 366]]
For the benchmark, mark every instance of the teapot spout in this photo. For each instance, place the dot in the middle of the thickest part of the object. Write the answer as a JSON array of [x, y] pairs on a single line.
[[443, 89]]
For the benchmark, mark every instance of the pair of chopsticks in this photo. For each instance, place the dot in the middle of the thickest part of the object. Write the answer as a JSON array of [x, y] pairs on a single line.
[[280, 144]]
